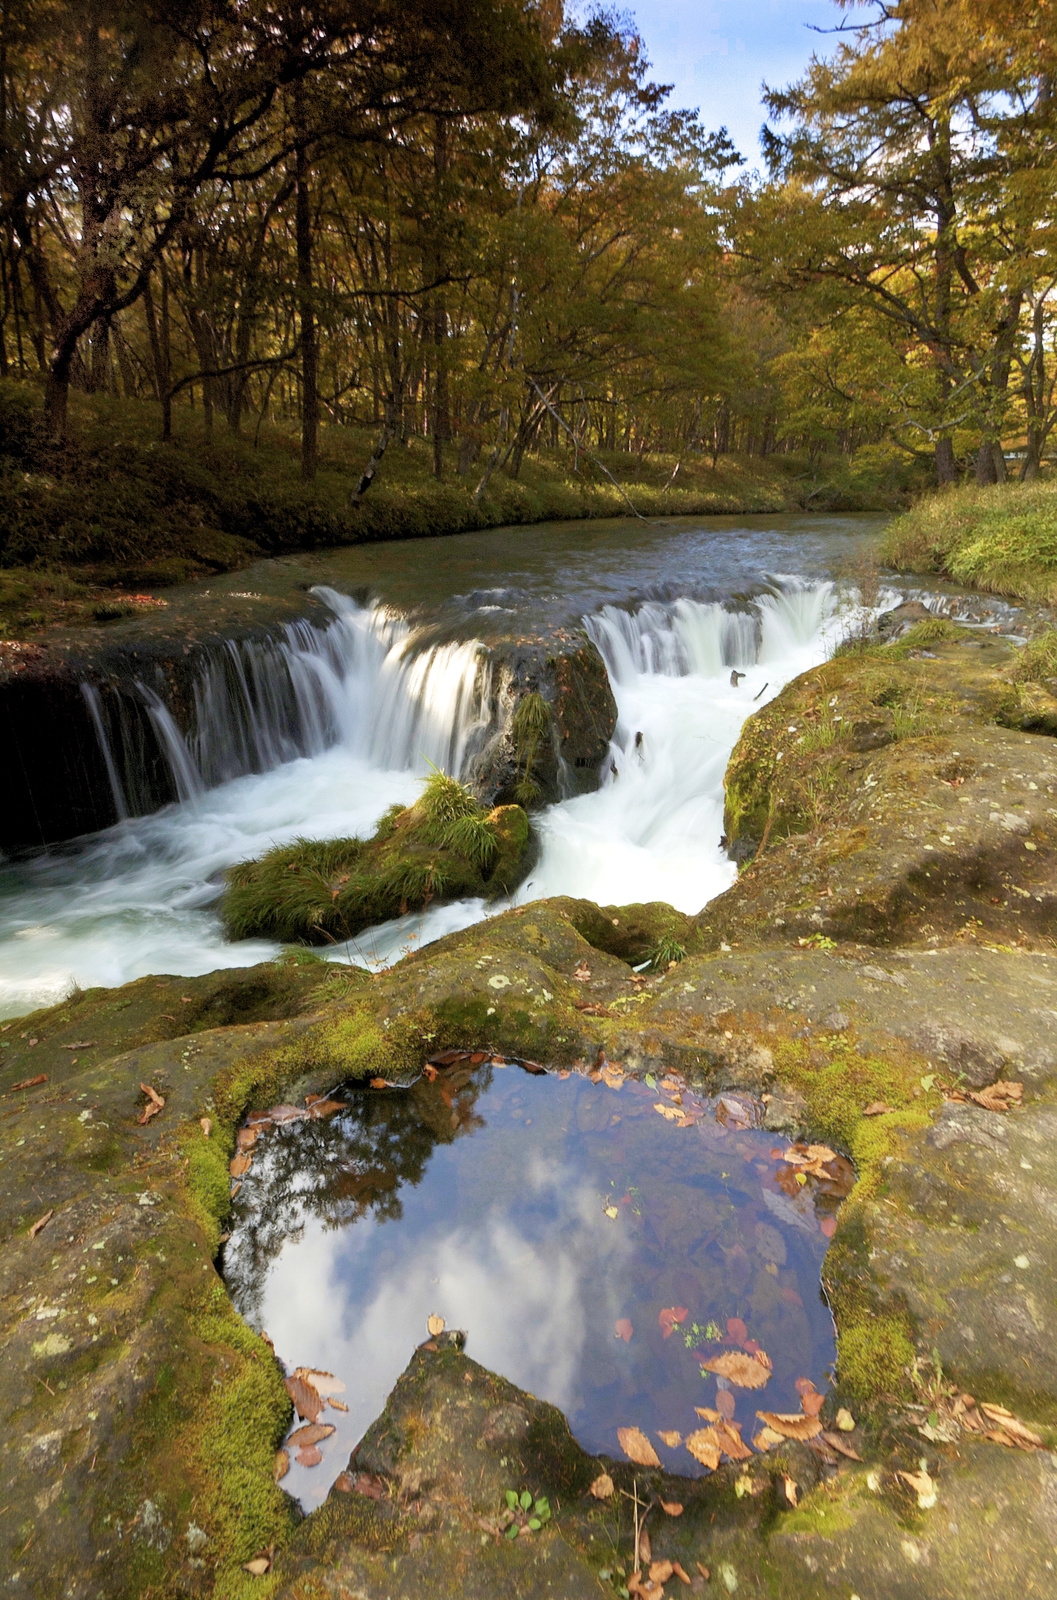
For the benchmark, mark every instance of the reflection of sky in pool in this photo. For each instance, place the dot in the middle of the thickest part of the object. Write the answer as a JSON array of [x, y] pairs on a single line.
[[484, 1199]]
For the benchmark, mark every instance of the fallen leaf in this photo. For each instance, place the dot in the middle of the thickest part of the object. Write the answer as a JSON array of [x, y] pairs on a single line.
[[326, 1108], [637, 1447], [923, 1486], [602, 1488], [877, 1108], [845, 1420], [672, 1507], [324, 1383], [581, 972], [258, 1566], [279, 1114], [336, 1405], [789, 1489], [371, 1485], [623, 1330], [1009, 1422], [766, 1439], [379, 1083], [307, 1399], [206, 1125], [343, 1483], [310, 1456], [41, 1222], [669, 1437], [156, 1103], [670, 1317], [680, 1572], [670, 1113], [660, 1571], [704, 1446], [611, 1212], [435, 1324], [703, 1571], [311, 1433], [645, 1548], [240, 1164], [790, 1424], [726, 1405], [429, 1072], [997, 1096], [30, 1083], [731, 1441], [80, 1044], [835, 1442], [280, 1466], [246, 1138], [748, 1372], [828, 1226], [811, 1403], [708, 1414], [737, 1330]]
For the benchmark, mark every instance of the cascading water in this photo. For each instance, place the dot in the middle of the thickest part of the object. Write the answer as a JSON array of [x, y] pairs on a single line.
[[320, 734]]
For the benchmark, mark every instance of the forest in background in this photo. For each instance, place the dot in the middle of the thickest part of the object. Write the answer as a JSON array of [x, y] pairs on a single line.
[[469, 243]]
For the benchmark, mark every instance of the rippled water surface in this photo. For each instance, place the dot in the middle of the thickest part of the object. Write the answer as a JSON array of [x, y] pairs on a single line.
[[556, 1220]]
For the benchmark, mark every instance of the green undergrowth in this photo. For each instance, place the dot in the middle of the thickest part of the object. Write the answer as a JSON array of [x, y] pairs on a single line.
[[325, 892], [1037, 661], [116, 508], [531, 728], [930, 630], [1002, 539]]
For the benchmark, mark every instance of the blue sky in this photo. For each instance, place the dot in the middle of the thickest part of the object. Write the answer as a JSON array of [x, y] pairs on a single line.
[[718, 52]]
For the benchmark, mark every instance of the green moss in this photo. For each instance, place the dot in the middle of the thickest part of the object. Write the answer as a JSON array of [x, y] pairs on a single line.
[[875, 1356], [931, 630], [327, 891], [357, 1044], [207, 1182]]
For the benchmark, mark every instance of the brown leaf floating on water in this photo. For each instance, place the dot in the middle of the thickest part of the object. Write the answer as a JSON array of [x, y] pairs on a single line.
[[324, 1383], [748, 1372], [669, 1437], [602, 1488], [156, 1103], [280, 1114], [310, 1456], [708, 1413], [766, 1440], [726, 1405], [637, 1447], [704, 1446], [240, 1164], [434, 1324], [326, 1108], [670, 1317], [246, 1138], [622, 1329], [307, 1399], [790, 1424], [731, 1441], [311, 1433], [336, 1405]]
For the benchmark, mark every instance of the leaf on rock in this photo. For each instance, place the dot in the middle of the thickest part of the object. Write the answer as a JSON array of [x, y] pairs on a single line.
[[581, 972], [789, 1490], [1020, 1434], [371, 1485], [280, 1466], [835, 1442], [324, 1383], [240, 1164], [41, 1222], [766, 1439], [622, 1329], [845, 1420], [669, 1437], [731, 1441], [30, 1083], [311, 1433], [998, 1096], [704, 1446], [790, 1424], [246, 1138], [748, 1372], [434, 1324], [637, 1447], [307, 1400], [310, 1456], [156, 1103], [379, 1083], [343, 1483], [670, 1317], [923, 1486], [602, 1488]]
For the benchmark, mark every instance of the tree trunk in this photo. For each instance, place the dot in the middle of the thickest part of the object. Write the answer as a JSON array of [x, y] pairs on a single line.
[[305, 307], [945, 472]]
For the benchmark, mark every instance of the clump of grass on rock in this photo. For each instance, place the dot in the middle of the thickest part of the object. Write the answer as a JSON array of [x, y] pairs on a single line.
[[322, 892]]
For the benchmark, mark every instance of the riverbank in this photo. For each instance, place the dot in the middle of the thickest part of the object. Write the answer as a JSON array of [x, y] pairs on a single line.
[[907, 979], [1001, 539], [85, 530]]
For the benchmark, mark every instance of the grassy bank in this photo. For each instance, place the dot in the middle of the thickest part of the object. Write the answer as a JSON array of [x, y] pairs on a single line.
[[1002, 539], [116, 510]]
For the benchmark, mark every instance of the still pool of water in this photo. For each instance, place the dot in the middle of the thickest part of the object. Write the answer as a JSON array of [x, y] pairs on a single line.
[[556, 1220]]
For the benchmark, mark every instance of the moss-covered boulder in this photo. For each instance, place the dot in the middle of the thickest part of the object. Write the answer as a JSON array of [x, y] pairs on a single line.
[[445, 846]]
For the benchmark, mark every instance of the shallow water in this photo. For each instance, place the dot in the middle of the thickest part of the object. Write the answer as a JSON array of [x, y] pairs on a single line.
[[553, 1219]]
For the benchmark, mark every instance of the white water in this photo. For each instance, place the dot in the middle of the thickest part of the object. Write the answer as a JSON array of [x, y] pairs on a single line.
[[370, 713]]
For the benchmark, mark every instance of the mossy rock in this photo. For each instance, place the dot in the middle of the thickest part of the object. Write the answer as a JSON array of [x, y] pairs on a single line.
[[445, 846]]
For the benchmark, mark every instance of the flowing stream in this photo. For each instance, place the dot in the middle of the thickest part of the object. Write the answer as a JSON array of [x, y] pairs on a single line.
[[317, 734]]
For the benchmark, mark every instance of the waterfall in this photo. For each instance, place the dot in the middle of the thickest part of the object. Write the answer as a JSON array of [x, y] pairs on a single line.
[[366, 682]]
